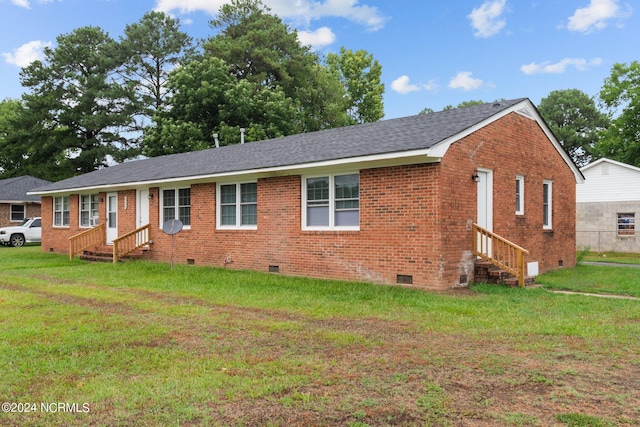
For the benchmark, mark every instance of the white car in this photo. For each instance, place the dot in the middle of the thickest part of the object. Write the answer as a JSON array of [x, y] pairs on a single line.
[[29, 231]]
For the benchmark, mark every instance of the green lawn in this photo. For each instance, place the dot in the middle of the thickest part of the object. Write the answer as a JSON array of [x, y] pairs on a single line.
[[619, 280], [141, 344], [615, 257]]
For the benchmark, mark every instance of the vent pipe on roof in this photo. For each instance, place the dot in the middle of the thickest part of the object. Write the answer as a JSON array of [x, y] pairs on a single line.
[[215, 138], [242, 135]]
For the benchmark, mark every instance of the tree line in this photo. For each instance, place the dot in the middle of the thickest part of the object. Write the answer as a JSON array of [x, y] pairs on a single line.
[[590, 128], [94, 100]]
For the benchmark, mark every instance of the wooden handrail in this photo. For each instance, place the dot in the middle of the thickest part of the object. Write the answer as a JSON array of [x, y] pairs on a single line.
[[131, 241], [91, 237], [499, 252]]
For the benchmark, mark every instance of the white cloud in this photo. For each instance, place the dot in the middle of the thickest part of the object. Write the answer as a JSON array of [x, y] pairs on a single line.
[[431, 86], [21, 3], [369, 16], [25, 3], [402, 85], [319, 38], [464, 81], [487, 20], [560, 67], [187, 6], [27, 53], [595, 16], [298, 10]]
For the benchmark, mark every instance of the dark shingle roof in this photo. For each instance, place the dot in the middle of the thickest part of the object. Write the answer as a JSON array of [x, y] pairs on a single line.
[[15, 189], [384, 137]]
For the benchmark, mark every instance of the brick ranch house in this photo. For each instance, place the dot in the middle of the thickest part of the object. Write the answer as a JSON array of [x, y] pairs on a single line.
[[15, 203], [388, 202]]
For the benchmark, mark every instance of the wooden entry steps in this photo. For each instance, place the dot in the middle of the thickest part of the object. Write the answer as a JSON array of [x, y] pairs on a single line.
[[104, 253], [486, 272]]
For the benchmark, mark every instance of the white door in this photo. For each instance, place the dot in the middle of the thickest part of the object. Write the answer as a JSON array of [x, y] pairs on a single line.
[[112, 217], [142, 208], [485, 204]]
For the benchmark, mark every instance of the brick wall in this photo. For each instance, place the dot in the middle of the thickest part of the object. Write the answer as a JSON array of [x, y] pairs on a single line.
[[391, 240], [414, 220], [31, 210], [514, 145]]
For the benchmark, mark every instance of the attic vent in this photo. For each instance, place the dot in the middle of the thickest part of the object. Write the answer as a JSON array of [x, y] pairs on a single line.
[[526, 112]]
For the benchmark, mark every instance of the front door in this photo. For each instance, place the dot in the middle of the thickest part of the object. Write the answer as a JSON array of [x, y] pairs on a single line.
[[112, 217], [485, 204], [142, 214]]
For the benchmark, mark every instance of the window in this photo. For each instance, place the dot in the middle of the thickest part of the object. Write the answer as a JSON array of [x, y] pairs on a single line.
[[176, 204], [332, 202], [547, 208], [61, 211], [17, 213], [88, 209], [238, 205], [626, 224], [519, 195]]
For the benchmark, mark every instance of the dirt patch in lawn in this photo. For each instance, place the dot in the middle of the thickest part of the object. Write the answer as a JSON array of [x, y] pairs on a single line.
[[385, 372], [379, 372]]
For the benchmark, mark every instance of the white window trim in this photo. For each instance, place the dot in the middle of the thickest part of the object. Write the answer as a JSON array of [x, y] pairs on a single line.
[[238, 225], [24, 212], [332, 204], [80, 209], [177, 214], [520, 183], [548, 226], [63, 225]]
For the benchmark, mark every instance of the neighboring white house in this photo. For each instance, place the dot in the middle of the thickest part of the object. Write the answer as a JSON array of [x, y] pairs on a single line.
[[608, 206]]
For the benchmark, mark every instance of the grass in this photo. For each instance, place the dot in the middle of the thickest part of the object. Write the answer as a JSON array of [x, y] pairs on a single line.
[[614, 257], [617, 280], [142, 344]]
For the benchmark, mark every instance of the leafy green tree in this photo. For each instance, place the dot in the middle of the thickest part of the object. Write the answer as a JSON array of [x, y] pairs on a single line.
[[10, 152], [575, 120], [360, 75], [208, 100], [151, 48], [269, 113], [194, 114], [621, 93], [260, 48], [464, 104], [76, 113]]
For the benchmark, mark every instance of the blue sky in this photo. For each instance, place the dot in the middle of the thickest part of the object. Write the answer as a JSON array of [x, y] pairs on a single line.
[[433, 53]]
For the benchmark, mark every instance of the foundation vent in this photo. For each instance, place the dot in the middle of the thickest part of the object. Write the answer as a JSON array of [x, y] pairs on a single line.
[[404, 279], [274, 269]]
